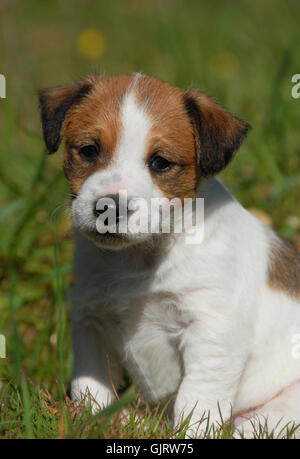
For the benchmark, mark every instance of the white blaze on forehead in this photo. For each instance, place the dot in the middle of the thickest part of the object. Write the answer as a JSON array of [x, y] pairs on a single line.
[[136, 125]]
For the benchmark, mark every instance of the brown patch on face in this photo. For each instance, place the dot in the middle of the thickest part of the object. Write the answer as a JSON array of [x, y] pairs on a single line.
[[182, 179], [284, 268], [171, 137], [191, 130], [85, 113], [94, 122]]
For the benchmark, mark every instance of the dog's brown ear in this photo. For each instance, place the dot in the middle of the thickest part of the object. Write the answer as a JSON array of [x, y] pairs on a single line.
[[54, 105], [218, 134]]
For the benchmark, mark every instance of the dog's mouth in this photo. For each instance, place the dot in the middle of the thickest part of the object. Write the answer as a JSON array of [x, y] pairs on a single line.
[[108, 239]]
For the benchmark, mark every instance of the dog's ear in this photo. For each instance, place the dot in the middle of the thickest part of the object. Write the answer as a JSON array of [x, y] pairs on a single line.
[[218, 134], [54, 105]]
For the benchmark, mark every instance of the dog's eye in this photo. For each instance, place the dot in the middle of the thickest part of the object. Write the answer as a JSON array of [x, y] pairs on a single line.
[[89, 152], [160, 164]]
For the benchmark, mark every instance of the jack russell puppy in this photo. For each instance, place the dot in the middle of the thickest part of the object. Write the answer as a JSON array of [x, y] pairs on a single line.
[[214, 325]]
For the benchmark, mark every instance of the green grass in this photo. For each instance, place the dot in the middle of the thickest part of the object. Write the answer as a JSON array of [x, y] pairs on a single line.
[[242, 53]]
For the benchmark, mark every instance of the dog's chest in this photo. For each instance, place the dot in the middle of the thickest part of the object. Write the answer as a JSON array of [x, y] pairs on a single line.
[[139, 309], [148, 340]]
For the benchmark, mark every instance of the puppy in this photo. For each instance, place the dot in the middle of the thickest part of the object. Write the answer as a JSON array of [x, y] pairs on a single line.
[[211, 325]]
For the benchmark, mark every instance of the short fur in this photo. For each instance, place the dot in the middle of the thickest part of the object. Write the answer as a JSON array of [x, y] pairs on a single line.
[[211, 326]]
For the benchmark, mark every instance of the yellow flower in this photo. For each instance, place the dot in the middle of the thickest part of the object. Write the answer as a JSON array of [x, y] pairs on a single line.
[[91, 43], [223, 65]]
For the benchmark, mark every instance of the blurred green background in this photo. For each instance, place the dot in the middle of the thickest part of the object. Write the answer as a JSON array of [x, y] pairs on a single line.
[[243, 53]]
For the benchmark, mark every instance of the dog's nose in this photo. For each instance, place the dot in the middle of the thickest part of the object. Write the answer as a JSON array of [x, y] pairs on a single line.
[[111, 203]]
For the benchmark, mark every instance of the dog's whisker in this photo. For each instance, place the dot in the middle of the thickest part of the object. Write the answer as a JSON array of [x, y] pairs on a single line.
[[60, 206]]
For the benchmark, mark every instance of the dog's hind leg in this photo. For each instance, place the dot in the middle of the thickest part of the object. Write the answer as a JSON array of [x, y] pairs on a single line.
[[278, 418]]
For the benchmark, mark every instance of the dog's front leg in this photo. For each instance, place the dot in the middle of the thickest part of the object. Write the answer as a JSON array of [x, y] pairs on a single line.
[[96, 372], [213, 360]]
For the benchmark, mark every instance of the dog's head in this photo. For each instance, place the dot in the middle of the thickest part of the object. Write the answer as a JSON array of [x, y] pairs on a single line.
[[130, 139]]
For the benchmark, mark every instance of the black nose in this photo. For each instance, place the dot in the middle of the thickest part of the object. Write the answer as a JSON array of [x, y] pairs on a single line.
[[111, 202]]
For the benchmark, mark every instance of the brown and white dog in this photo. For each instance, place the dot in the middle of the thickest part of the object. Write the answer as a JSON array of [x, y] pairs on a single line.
[[213, 325]]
